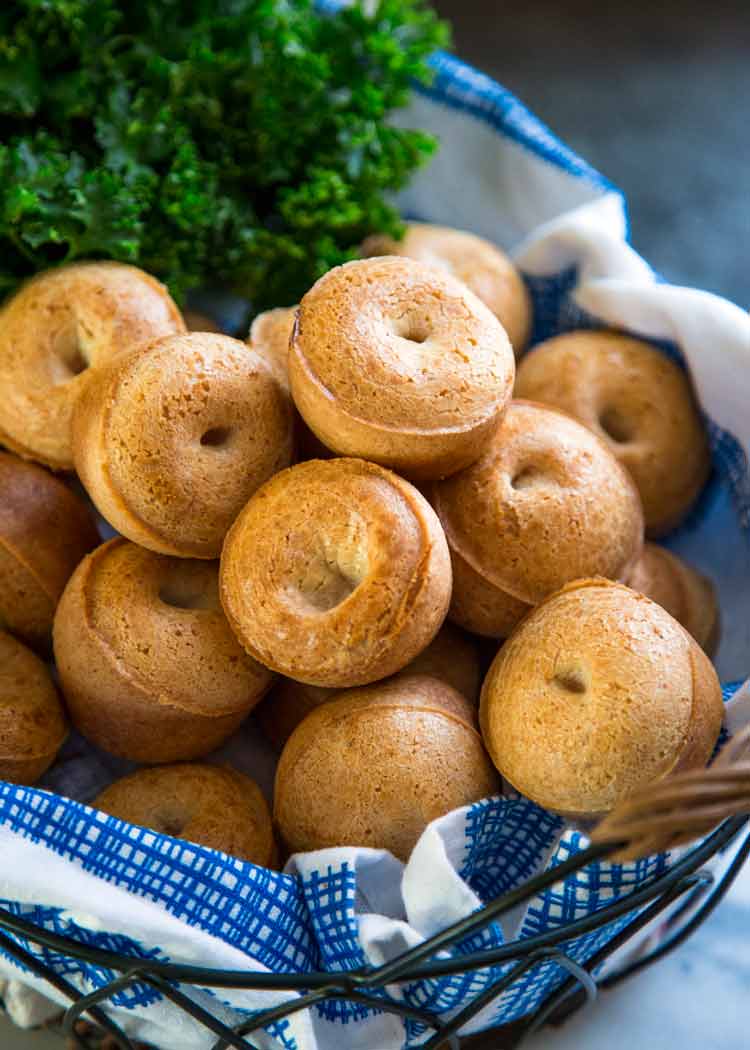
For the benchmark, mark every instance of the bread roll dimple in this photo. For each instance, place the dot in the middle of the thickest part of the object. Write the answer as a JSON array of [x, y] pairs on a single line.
[[212, 806], [336, 573], [638, 401], [547, 503], [401, 364], [373, 767], [597, 693], [172, 440], [55, 333], [482, 267]]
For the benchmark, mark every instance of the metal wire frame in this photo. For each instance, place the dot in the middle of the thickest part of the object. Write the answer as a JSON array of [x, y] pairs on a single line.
[[685, 880]]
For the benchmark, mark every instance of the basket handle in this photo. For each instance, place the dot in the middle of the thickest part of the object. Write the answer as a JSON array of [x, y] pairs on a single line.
[[682, 807]]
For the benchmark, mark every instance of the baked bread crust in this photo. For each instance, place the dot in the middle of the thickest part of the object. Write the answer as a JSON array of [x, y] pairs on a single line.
[[45, 530], [597, 693], [213, 806], [684, 592], [639, 402], [55, 332], [148, 665], [481, 265], [270, 334], [547, 503], [373, 767], [450, 657], [336, 573], [171, 440], [33, 726], [401, 364]]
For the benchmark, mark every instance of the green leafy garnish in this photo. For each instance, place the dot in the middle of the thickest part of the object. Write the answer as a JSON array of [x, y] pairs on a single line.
[[238, 142]]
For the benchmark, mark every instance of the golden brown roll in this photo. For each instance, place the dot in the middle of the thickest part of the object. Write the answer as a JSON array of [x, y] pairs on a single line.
[[636, 400], [482, 267], [55, 332], [401, 364], [598, 693], [45, 530], [336, 573], [32, 723], [547, 503], [211, 805], [685, 593], [148, 665], [197, 321], [450, 657], [270, 334], [172, 440], [374, 766]]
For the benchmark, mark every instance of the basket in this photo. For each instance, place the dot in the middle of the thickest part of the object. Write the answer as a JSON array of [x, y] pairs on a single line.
[[502, 174]]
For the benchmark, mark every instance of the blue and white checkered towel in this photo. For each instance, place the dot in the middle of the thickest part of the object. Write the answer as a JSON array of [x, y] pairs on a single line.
[[79, 872]]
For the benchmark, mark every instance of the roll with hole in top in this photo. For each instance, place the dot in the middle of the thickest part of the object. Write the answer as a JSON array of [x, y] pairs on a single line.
[[598, 692], [399, 363], [336, 573], [639, 402], [482, 267], [547, 503], [55, 333], [171, 440], [214, 806]]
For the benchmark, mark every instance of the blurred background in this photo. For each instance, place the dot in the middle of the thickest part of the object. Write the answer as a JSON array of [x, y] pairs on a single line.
[[655, 96]]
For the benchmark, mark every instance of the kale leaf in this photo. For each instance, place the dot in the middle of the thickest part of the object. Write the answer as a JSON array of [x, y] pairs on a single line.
[[235, 142]]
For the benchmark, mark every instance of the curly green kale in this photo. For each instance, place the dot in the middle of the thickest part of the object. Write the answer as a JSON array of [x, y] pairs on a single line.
[[239, 142]]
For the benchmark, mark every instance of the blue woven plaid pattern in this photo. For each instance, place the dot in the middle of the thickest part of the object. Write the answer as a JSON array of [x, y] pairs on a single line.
[[506, 839], [331, 897], [555, 310], [579, 895], [83, 974], [731, 462], [258, 911]]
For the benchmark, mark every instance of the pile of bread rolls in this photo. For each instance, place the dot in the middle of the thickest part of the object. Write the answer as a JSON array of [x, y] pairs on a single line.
[[353, 517]]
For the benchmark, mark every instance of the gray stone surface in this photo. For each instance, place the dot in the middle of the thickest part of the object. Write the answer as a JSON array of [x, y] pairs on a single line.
[[654, 95]]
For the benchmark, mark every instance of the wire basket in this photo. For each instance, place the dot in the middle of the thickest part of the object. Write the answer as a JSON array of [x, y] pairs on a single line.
[[679, 808]]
